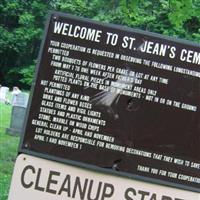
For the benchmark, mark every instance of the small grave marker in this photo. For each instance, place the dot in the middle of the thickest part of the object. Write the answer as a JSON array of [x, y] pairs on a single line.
[[18, 114]]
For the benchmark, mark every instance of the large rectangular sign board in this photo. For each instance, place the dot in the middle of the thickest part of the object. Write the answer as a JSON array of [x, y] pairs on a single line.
[[36, 178], [117, 98]]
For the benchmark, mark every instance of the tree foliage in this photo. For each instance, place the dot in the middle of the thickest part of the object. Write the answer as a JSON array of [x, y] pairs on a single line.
[[22, 22]]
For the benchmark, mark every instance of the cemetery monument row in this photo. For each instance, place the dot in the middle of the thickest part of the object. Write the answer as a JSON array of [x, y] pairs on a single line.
[[114, 97]]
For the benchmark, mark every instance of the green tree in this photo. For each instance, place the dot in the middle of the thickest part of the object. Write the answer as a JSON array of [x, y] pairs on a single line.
[[21, 25], [177, 18]]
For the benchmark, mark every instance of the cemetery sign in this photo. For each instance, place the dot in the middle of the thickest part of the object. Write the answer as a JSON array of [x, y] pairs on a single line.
[[34, 179], [115, 97]]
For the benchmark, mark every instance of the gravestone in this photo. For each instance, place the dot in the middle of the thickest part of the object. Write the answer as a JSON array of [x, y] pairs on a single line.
[[3, 94], [19, 103], [20, 100]]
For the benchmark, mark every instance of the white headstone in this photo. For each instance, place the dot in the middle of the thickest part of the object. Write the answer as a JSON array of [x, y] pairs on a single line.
[[3, 93]]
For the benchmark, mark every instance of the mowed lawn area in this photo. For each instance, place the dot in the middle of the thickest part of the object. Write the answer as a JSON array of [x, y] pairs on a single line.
[[8, 151]]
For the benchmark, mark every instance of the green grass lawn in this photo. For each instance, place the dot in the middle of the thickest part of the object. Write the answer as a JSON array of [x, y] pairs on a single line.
[[8, 151]]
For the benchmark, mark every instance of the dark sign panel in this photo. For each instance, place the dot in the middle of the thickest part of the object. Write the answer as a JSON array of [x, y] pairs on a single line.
[[114, 97]]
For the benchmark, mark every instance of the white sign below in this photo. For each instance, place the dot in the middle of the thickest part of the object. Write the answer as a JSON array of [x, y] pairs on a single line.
[[36, 178]]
